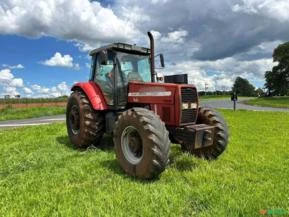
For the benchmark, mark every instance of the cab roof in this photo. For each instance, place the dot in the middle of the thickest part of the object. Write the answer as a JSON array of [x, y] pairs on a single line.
[[122, 47]]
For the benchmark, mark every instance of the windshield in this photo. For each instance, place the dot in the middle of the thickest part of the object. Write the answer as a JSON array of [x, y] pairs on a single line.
[[134, 67]]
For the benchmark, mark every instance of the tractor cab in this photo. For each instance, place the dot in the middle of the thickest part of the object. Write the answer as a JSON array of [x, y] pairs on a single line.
[[114, 66]]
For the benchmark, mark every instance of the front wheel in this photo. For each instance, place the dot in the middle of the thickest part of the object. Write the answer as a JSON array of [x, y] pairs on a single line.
[[141, 143], [210, 117]]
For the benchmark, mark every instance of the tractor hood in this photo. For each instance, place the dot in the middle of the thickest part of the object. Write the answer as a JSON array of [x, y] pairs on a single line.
[[156, 93], [176, 104]]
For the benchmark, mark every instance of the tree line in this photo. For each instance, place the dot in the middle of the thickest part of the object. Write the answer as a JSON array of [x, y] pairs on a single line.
[[276, 80]]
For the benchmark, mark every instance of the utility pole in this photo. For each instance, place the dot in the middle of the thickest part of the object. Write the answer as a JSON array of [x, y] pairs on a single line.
[[206, 88]]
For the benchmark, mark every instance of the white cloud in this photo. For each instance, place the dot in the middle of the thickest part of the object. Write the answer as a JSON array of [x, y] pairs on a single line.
[[10, 91], [27, 90], [62, 86], [271, 8], [220, 74], [35, 87], [16, 82], [8, 83], [78, 20], [59, 60], [6, 76], [175, 37], [55, 91], [18, 66]]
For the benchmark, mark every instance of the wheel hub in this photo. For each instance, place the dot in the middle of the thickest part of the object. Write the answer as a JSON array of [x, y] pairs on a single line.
[[74, 119], [131, 144]]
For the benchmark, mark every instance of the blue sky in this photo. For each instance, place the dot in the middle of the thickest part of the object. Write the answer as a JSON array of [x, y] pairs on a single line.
[[45, 43], [32, 52]]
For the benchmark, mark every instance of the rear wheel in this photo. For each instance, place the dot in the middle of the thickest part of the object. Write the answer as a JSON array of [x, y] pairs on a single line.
[[84, 125], [210, 117], [141, 143]]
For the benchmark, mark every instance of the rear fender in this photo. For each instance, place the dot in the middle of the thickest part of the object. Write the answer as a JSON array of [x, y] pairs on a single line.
[[94, 94]]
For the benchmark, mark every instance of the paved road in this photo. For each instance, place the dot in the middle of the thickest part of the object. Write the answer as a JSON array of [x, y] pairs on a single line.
[[32, 121], [227, 104]]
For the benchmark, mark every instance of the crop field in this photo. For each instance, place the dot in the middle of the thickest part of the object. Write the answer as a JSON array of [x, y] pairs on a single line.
[[277, 102], [41, 174]]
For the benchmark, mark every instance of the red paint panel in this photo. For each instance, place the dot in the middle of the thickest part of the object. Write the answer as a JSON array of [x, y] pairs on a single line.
[[164, 99], [151, 93], [168, 107], [94, 94]]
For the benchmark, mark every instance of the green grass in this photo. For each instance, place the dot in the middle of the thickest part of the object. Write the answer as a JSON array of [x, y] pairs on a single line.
[[215, 97], [32, 100], [22, 113], [42, 175], [220, 97], [277, 102]]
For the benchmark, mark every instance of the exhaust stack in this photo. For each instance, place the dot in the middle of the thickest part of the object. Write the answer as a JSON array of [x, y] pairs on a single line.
[[152, 56]]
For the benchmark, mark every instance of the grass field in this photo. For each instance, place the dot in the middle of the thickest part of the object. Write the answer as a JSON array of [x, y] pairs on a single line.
[[32, 100], [222, 97], [277, 102], [22, 113], [42, 175], [204, 97]]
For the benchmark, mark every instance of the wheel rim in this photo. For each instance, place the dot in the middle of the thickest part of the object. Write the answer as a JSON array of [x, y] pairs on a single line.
[[74, 119], [131, 144]]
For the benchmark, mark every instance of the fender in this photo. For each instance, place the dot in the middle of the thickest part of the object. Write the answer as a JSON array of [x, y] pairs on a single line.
[[94, 94]]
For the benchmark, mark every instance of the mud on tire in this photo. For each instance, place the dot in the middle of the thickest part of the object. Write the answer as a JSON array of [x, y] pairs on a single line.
[[84, 125], [142, 143], [213, 118]]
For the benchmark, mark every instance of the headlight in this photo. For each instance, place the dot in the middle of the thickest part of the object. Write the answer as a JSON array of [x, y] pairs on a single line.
[[189, 105], [193, 105], [185, 105]]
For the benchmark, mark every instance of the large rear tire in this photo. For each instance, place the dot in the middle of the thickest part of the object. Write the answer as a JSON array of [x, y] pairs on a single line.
[[85, 126], [142, 143], [210, 117]]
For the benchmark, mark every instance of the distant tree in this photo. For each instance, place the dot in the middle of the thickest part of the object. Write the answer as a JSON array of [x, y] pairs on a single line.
[[243, 87], [270, 83], [277, 80], [259, 92]]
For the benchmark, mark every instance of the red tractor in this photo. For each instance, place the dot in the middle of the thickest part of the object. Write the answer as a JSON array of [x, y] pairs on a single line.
[[123, 98]]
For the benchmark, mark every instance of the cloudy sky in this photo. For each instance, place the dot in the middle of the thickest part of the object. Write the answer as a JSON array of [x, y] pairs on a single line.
[[45, 43]]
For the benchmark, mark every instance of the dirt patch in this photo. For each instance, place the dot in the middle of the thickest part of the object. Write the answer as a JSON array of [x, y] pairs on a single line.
[[33, 105]]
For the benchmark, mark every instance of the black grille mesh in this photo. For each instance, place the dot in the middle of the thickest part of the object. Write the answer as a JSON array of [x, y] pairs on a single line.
[[189, 95]]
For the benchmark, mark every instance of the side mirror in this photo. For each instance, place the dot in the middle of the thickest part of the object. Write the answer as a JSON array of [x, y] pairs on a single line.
[[162, 60], [102, 55]]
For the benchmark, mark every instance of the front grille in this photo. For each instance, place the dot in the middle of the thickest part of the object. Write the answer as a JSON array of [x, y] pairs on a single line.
[[190, 97], [189, 94], [188, 115]]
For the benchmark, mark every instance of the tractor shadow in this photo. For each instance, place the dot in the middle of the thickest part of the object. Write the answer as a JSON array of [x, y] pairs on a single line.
[[106, 144], [112, 165], [115, 168], [179, 160], [182, 161]]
